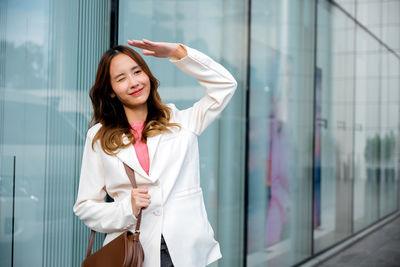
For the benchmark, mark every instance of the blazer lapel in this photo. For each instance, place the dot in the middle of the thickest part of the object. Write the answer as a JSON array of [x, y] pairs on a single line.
[[152, 144], [128, 156]]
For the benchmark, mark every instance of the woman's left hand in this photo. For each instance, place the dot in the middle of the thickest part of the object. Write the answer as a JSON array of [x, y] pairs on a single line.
[[159, 49]]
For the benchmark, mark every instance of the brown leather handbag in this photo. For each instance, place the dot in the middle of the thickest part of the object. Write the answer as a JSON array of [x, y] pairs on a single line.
[[123, 251]]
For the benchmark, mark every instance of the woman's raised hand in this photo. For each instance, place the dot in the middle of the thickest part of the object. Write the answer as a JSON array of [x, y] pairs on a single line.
[[159, 49], [140, 199]]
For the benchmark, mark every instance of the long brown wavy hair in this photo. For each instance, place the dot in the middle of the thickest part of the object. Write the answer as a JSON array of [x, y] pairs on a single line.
[[109, 110]]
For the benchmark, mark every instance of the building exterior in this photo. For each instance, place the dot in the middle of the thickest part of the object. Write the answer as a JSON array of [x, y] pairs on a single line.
[[305, 156]]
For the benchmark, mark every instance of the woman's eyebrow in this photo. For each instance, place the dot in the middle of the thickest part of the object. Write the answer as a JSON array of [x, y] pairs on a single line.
[[119, 75]]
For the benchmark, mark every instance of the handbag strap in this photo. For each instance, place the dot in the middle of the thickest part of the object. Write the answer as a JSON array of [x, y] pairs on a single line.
[[131, 174]]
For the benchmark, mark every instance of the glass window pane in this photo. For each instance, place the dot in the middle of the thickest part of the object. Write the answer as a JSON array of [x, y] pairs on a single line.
[[389, 102], [50, 58], [280, 134], [334, 126]]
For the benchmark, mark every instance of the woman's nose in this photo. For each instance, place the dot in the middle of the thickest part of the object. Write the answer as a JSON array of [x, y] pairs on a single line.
[[132, 81]]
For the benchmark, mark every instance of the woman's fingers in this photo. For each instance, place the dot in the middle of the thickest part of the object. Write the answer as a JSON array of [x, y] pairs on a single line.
[[140, 193], [155, 49], [141, 196], [149, 43], [140, 199], [144, 44], [147, 49], [140, 190], [148, 52], [137, 43], [142, 203]]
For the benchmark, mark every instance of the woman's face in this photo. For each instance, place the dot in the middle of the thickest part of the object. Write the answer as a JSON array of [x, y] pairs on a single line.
[[130, 84]]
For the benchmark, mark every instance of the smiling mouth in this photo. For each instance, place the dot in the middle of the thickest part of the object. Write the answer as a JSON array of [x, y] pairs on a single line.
[[136, 92]]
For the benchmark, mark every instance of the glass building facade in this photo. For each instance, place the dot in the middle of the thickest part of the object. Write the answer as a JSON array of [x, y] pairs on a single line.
[[304, 156]]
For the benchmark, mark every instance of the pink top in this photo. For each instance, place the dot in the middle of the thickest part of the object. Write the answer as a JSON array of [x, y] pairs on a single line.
[[141, 149]]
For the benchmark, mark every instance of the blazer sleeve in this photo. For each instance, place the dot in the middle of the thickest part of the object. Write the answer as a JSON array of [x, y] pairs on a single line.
[[90, 207], [218, 83]]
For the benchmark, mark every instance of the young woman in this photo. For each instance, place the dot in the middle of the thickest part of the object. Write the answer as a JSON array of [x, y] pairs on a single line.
[[159, 142]]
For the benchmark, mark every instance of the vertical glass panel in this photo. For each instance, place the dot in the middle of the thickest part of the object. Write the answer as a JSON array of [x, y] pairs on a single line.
[[7, 204], [389, 133], [23, 134], [49, 52], [280, 134], [218, 29], [333, 126], [368, 114]]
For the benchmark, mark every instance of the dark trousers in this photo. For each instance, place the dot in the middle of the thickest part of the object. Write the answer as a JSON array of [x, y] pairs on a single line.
[[165, 258]]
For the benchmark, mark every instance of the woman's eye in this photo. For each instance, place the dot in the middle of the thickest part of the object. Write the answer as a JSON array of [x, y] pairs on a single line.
[[138, 71], [120, 80]]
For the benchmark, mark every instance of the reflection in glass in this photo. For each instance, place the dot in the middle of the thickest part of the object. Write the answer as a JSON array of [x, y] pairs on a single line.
[[367, 159], [358, 147], [333, 127], [280, 133]]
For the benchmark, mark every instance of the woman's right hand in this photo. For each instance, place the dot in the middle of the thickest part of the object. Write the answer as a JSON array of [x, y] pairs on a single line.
[[140, 199], [159, 49]]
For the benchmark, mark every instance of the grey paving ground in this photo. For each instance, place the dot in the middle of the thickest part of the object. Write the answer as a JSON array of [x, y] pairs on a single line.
[[380, 249]]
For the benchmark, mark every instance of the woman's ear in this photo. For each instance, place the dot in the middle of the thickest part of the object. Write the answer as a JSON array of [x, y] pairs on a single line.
[[112, 95]]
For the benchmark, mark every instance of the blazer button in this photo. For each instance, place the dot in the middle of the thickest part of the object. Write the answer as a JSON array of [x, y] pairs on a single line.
[[157, 212]]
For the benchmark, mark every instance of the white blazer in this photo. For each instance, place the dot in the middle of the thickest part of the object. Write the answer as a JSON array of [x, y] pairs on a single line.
[[177, 207]]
